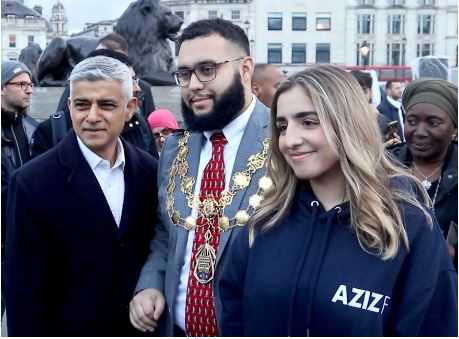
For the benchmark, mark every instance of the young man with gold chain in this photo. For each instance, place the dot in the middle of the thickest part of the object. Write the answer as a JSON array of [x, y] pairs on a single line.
[[210, 180]]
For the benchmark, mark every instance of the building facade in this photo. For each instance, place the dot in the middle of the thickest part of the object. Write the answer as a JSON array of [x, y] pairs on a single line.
[[293, 33], [98, 29], [59, 21], [21, 26]]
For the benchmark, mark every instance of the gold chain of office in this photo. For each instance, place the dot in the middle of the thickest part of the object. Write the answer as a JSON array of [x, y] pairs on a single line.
[[209, 207]]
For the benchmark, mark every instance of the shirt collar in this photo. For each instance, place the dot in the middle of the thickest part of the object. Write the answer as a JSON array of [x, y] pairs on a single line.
[[94, 160], [235, 129], [396, 104]]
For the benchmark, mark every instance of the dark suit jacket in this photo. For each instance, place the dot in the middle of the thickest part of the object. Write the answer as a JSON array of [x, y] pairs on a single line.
[[391, 112], [70, 271]]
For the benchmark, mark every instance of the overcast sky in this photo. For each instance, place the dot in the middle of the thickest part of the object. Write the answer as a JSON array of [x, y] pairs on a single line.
[[80, 12]]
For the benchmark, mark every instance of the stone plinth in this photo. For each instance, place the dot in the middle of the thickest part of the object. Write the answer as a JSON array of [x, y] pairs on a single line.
[[44, 100]]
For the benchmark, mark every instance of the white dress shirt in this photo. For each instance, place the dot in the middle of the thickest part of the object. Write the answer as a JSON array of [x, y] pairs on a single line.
[[111, 180], [398, 105], [233, 133]]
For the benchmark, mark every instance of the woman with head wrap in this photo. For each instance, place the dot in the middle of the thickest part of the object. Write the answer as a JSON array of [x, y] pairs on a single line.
[[431, 145]]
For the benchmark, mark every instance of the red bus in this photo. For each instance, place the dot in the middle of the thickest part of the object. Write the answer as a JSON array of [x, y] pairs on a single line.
[[385, 73]]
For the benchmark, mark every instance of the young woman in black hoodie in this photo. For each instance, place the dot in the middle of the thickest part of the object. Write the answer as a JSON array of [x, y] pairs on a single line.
[[344, 242]]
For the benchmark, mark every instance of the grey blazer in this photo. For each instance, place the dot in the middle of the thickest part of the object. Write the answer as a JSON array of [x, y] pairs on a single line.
[[163, 267]]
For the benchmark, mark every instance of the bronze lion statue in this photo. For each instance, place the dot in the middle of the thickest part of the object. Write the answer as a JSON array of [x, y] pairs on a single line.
[[29, 56], [147, 25], [59, 57]]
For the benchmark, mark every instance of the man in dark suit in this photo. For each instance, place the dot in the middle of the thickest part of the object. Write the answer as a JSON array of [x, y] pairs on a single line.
[[79, 218], [391, 106]]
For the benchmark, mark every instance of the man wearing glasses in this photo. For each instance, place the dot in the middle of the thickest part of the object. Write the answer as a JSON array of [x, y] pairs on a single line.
[[210, 179], [17, 126]]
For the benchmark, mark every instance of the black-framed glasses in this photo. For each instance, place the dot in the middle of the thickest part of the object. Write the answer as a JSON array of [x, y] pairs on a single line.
[[204, 72], [23, 84]]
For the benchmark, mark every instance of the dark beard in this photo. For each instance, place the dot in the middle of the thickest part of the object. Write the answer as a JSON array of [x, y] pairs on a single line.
[[225, 110]]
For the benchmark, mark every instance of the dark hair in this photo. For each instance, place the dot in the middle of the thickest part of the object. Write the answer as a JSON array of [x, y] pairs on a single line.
[[364, 79], [112, 54], [114, 41], [390, 82], [226, 29]]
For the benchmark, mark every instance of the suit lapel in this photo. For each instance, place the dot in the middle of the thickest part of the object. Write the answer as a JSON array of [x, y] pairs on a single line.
[[83, 179], [251, 143], [195, 143]]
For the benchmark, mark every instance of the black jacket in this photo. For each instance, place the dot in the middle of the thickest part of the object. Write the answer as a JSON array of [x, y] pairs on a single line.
[[446, 202], [17, 131], [391, 112], [70, 270]]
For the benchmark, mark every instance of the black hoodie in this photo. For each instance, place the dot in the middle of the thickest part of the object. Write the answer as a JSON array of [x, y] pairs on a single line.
[[309, 276]]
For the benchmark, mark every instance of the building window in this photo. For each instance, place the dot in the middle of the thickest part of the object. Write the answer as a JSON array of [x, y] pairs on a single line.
[[212, 14], [426, 24], [235, 14], [397, 2], [427, 2], [180, 14], [365, 23], [396, 54], [323, 53], [10, 18], [274, 53], [323, 21], [29, 19], [12, 39], [298, 21], [366, 2], [30, 39], [275, 21], [396, 24], [298, 53], [425, 49]]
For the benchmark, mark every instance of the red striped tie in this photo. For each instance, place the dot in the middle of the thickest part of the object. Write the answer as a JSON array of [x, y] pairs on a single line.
[[200, 319]]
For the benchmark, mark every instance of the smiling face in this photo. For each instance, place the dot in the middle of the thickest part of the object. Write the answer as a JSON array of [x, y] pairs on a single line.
[[428, 131], [99, 111], [213, 104], [302, 139]]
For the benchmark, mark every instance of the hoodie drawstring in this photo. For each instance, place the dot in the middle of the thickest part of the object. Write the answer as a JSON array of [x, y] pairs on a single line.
[[316, 261], [296, 275]]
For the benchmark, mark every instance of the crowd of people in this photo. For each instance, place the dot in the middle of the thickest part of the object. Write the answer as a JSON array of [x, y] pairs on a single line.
[[280, 206]]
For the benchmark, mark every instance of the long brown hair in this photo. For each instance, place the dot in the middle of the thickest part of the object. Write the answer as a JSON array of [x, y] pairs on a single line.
[[352, 131]]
